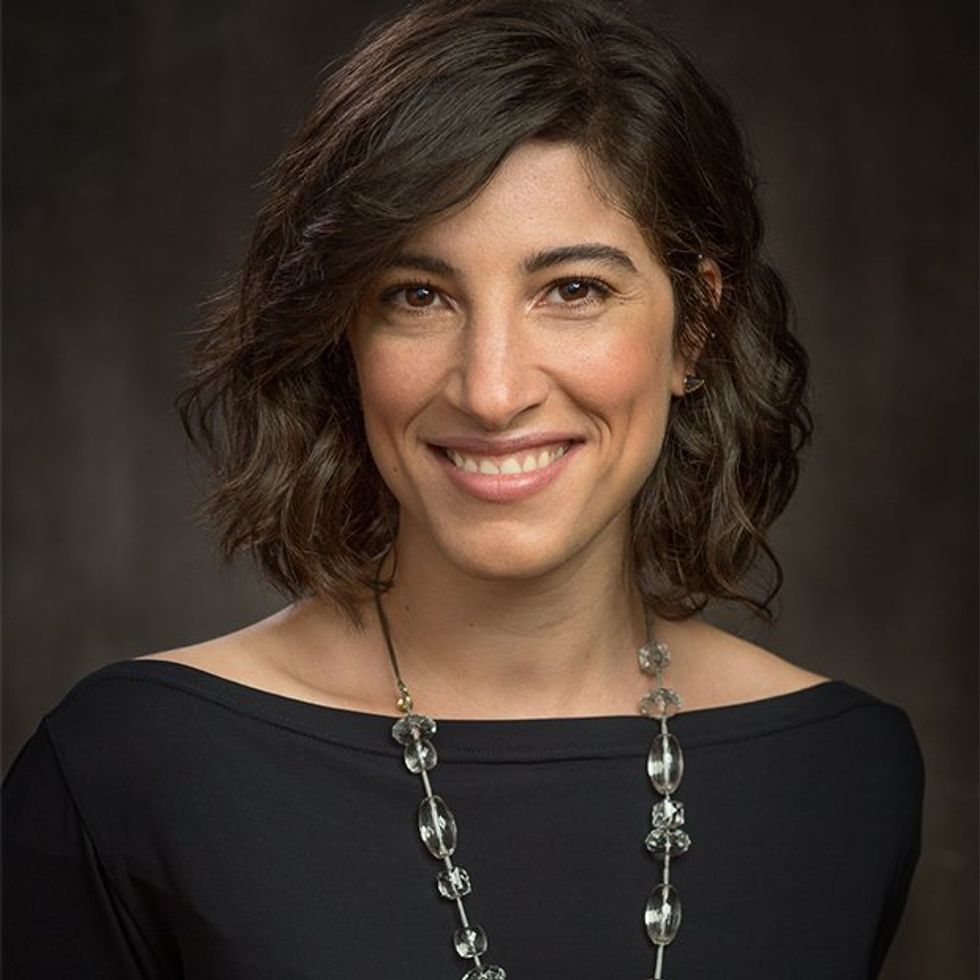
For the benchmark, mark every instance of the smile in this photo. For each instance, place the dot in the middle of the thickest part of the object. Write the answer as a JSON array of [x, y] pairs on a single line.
[[523, 462], [508, 477]]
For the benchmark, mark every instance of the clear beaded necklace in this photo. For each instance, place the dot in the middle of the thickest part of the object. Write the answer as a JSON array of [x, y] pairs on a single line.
[[437, 826]]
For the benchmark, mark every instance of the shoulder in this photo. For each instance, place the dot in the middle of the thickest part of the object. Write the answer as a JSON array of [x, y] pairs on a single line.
[[119, 706], [863, 745], [295, 653], [715, 668], [125, 732], [728, 669], [235, 656], [866, 740]]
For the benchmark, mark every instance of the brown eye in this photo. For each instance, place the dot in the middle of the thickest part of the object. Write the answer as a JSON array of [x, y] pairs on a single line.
[[582, 292], [574, 289], [419, 296]]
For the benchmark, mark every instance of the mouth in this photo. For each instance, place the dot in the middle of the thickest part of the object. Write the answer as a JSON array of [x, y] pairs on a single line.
[[525, 461], [507, 477]]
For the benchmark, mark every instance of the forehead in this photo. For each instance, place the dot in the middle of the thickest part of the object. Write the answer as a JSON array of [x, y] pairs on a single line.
[[541, 197]]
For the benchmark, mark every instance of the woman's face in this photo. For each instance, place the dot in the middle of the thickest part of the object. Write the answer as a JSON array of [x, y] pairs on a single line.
[[516, 365]]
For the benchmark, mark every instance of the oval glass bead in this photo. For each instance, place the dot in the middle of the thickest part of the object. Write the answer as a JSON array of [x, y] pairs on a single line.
[[485, 973], [407, 729], [454, 883], [665, 763], [437, 827], [420, 755], [663, 914], [470, 941]]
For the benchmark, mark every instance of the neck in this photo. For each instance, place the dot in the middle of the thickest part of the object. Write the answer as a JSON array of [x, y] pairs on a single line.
[[560, 645]]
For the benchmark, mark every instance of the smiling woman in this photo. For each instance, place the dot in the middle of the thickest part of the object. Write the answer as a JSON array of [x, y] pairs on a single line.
[[646, 140], [504, 378]]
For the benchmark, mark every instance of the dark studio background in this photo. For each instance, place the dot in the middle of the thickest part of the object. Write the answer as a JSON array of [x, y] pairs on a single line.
[[136, 134]]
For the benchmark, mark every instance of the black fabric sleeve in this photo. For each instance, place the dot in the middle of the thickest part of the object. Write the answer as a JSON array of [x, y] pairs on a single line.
[[894, 909], [909, 766], [61, 915]]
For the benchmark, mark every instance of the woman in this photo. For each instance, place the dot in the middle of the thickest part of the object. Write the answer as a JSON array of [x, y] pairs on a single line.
[[503, 396]]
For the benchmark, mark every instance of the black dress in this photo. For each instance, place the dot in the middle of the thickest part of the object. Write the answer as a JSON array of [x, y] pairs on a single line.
[[163, 822]]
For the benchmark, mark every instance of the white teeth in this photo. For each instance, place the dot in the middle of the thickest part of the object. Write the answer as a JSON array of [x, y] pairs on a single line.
[[507, 465]]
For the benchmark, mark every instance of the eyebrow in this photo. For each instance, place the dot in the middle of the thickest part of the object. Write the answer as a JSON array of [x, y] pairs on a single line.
[[592, 251]]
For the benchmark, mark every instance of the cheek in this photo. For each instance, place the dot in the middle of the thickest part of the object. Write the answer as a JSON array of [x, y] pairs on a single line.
[[393, 390], [628, 379]]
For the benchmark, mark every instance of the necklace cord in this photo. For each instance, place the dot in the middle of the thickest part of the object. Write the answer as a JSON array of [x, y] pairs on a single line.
[[404, 703]]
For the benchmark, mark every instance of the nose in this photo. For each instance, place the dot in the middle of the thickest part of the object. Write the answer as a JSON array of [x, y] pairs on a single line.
[[498, 374]]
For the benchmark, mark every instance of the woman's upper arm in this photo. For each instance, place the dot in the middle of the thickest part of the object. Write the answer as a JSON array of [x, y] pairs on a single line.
[[62, 915]]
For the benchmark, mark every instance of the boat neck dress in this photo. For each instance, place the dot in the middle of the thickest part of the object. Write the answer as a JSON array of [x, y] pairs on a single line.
[[164, 822]]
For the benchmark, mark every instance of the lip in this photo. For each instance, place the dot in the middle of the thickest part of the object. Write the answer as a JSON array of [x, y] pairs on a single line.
[[504, 488]]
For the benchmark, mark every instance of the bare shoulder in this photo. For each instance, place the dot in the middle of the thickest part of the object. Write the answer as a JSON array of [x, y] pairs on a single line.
[[719, 668], [291, 653], [239, 656]]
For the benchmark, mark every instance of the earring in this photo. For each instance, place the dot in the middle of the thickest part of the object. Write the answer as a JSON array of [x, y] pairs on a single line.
[[692, 382]]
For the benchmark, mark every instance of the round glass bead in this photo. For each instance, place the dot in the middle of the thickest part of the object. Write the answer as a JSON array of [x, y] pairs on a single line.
[[470, 941], [406, 730], [437, 827], [653, 657], [664, 702], [485, 973], [665, 763], [663, 914], [661, 841], [419, 755], [454, 883], [667, 813]]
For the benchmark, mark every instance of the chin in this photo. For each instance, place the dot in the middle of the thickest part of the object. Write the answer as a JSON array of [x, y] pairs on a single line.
[[507, 557]]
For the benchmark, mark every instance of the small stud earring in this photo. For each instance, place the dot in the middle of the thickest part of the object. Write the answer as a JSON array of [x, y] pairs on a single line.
[[691, 383]]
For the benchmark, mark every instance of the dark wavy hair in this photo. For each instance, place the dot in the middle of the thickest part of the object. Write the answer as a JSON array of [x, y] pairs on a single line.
[[413, 122]]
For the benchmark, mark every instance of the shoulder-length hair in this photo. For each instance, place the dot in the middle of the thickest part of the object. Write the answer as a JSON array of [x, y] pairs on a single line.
[[414, 121]]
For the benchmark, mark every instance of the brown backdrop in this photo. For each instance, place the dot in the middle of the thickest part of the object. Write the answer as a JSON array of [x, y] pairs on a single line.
[[135, 135]]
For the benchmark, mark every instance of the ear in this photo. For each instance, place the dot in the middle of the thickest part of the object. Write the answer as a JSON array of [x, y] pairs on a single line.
[[694, 334]]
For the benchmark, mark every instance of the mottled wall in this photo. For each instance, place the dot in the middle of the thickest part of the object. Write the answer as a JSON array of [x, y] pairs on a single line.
[[135, 134]]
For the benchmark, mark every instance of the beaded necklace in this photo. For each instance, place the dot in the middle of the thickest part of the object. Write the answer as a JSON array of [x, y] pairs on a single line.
[[437, 825]]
